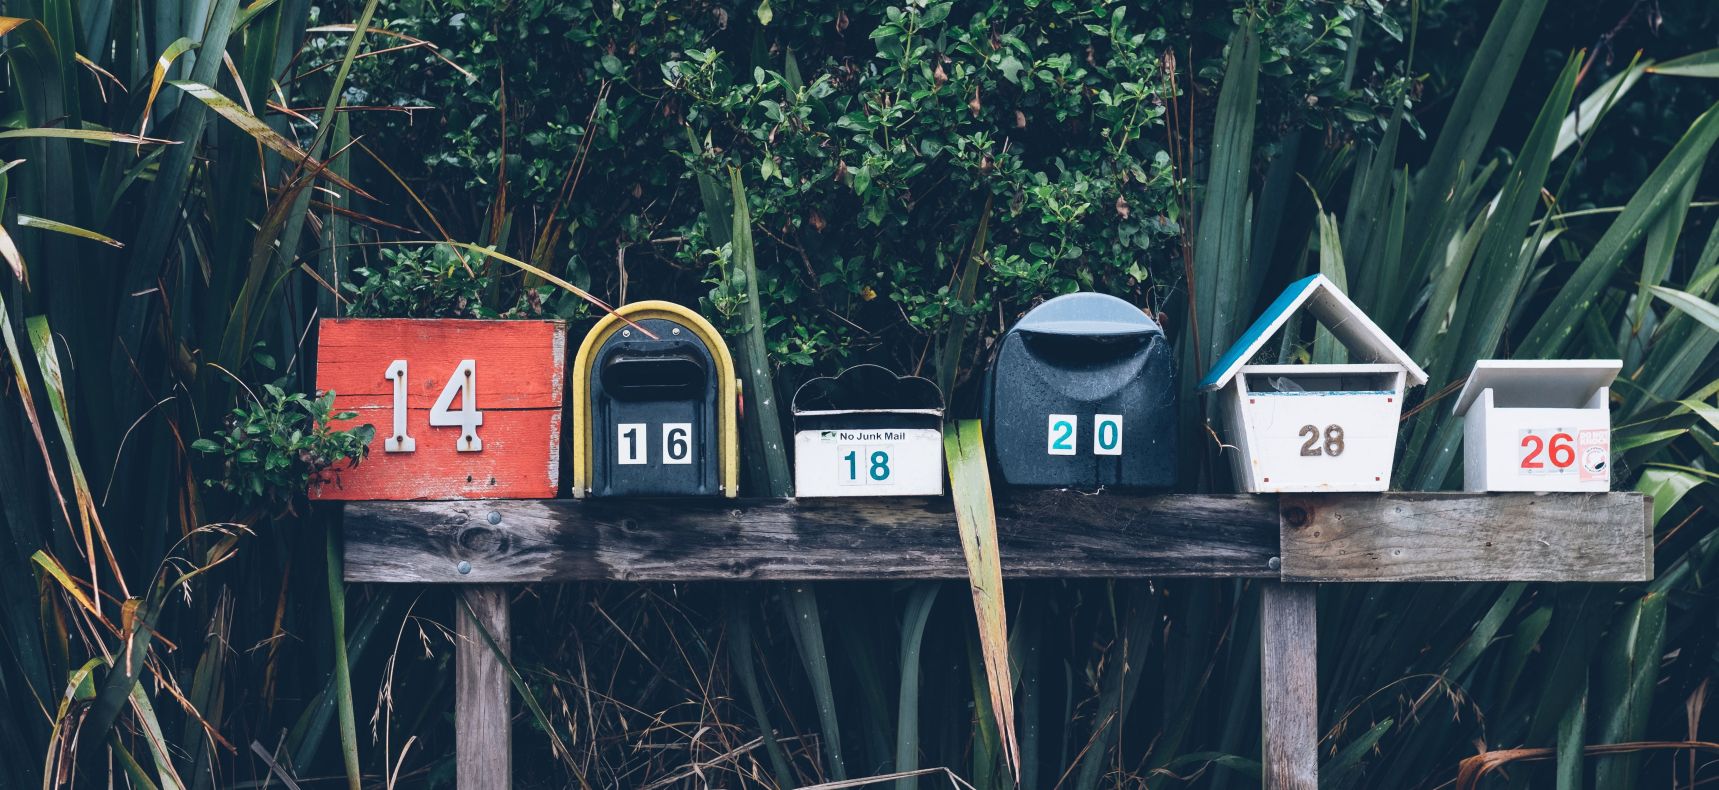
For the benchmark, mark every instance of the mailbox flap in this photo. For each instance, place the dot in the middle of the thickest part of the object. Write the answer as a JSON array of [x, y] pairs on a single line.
[[1537, 383], [867, 390], [655, 370], [1087, 315]]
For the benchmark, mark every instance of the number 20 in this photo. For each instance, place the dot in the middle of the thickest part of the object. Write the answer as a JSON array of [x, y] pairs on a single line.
[[463, 383]]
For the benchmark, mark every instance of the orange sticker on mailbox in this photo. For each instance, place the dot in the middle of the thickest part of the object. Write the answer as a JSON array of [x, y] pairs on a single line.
[[463, 409]]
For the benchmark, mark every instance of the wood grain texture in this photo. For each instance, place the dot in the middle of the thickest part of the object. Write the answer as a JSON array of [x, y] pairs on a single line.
[[1041, 534], [483, 723], [1289, 686], [520, 369], [1467, 537]]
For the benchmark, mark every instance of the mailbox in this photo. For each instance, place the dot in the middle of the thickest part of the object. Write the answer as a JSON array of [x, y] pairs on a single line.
[[1083, 394], [868, 432], [1313, 427], [1537, 425], [654, 416]]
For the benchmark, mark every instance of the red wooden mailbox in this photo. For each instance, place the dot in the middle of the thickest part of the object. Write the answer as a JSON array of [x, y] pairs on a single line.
[[462, 409]]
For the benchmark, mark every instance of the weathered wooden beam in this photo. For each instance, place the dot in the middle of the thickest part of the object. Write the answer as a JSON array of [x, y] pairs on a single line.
[[1289, 686], [1467, 537], [1042, 534], [483, 724]]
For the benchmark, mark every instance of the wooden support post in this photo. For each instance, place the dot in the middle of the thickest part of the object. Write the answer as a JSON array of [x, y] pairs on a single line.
[[1289, 687], [483, 734]]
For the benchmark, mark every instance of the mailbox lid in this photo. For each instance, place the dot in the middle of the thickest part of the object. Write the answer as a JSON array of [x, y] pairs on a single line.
[[1089, 315], [1537, 383], [867, 396]]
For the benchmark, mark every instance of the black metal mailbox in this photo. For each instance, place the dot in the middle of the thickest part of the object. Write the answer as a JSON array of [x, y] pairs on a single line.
[[654, 416], [1083, 394]]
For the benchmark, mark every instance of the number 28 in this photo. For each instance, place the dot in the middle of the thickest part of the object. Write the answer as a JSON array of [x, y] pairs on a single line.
[[1333, 445]]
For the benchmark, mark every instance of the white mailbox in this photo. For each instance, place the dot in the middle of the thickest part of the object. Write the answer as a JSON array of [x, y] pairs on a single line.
[[1313, 427], [1538, 425], [868, 432]]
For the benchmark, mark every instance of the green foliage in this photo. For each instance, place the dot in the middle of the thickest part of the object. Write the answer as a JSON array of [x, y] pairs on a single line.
[[871, 138], [437, 281], [420, 282], [271, 447]]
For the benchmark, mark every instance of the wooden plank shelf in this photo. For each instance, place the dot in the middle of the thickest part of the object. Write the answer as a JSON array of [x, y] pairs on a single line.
[[1468, 537], [1042, 534]]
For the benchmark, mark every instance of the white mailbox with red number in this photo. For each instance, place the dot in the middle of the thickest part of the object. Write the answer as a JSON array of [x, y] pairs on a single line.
[[1325, 427], [1538, 425]]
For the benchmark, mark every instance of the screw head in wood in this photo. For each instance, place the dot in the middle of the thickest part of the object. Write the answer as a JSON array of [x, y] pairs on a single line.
[[1275, 563], [494, 517], [464, 567]]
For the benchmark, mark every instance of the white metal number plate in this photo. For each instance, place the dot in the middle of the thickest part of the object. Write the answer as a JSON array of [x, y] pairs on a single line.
[[399, 441], [468, 418], [1060, 440], [630, 443], [1107, 434], [677, 443]]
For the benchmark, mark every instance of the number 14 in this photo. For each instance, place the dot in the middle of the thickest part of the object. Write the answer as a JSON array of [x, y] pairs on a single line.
[[467, 419]]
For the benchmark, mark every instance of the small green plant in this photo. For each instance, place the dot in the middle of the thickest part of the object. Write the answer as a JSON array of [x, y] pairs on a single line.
[[271, 447], [421, 282], [436, 282]]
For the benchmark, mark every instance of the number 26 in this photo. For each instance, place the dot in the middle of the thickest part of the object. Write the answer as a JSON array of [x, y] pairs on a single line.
[[1559, 451]]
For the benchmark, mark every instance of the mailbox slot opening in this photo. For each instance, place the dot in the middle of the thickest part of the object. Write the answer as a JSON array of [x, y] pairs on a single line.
[[1321, 380], [1085, 348], [671, 374]]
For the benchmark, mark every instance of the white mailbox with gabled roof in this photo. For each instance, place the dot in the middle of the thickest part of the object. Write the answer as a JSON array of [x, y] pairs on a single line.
[[1538, 425], [1314, 427]]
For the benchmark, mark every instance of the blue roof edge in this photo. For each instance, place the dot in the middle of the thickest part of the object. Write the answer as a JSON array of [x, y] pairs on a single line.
[[1262, 328]]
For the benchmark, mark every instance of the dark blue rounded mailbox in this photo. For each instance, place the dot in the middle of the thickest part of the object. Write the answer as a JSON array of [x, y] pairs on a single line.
[[1083, 394]]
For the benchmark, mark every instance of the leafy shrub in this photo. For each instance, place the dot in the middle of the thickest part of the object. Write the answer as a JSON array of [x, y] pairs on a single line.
[[871, 137], [420, 282], [437, 281], [272, 446]]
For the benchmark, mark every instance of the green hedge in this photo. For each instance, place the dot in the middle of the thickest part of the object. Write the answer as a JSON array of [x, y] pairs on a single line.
[[871, 137]]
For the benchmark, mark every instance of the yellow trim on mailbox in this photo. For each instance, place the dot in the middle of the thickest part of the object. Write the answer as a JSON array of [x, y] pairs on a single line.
[[727, 422]]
